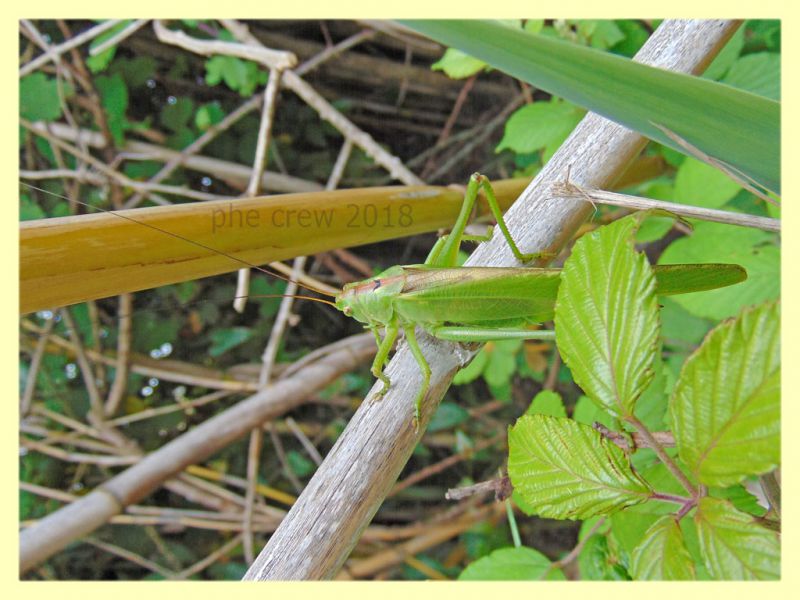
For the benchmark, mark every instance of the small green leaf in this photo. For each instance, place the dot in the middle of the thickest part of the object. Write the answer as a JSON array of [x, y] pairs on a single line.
[[662, 555], [725, 408], [759, 73], [733, 546], [28, 209], [98, 62], [547, 402], [114, 97], [175, 116], [223, 340], [447, 416], [208, 115], [699, 184], [38, 97], [299, 464], [540, 124], [458, 65], [565, 470], [512, 564], [726, 57], [606, 316], [502, 362]]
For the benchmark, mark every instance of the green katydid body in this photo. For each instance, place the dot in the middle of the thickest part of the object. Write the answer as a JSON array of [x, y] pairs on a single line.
[[479, 304]]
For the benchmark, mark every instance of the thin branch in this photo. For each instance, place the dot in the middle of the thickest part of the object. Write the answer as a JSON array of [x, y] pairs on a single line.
[[58, 529], [115, 39], [56, 51], [121, 367], [329, 53], [272, 59], [33, 368], [327, 112], [575, 192]]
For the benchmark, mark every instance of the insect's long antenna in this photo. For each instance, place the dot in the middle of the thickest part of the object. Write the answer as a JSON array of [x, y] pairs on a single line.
[[185, 239], [300, 297]]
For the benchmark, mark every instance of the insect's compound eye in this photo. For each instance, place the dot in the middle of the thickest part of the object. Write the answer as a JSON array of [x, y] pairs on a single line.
[[347, 311]]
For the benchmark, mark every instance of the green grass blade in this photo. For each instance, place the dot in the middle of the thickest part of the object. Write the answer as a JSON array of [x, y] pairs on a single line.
[[736, 127]]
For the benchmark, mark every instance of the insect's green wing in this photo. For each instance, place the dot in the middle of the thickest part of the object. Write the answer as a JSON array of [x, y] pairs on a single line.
[[476, 295], [682, 279]]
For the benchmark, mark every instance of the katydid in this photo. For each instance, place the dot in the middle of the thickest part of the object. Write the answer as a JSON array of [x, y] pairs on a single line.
[[479, 304], [470, 304]]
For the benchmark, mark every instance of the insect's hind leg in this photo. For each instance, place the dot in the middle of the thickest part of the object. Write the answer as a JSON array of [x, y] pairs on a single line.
[[411, 338], [494, 206]]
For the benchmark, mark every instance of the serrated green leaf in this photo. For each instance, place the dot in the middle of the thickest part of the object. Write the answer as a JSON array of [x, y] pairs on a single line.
[[606, 317], [537, 125], [565, 470], [512, 564], [662, 555], [759, 73], [716, 242], [725, 408], [547, 402], [699, 184], [733, 546]]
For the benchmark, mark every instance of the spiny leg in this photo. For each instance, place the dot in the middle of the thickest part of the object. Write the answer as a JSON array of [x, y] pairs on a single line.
[[498, 215], [465, 333], [384, 347], [411, 338]]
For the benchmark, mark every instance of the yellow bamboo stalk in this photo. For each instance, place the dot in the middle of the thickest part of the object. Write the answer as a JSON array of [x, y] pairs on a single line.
[[73, 259]]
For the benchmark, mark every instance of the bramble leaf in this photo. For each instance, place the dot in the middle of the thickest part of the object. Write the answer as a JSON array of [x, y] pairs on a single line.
[[606, 316], [512, 564], [547, 402], [725, 408], [733, 546], [662, 555], [565, 470]]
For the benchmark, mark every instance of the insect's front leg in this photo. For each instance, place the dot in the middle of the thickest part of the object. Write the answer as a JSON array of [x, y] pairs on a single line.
[[382, 355], [424, 367]]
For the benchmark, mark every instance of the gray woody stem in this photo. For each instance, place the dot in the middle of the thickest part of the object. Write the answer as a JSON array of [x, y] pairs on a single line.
[[324, 524]]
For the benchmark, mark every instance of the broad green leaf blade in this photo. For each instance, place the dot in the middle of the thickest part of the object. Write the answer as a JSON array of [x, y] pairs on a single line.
[[565, 470], [733, 546], [662, 555], [736, 127], [512, 564], [683, 279], [606, 316], [725, 408]]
